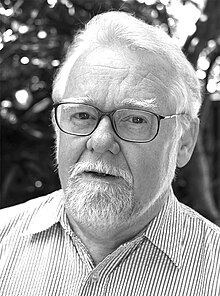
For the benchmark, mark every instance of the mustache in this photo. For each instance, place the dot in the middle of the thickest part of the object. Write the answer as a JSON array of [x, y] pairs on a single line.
[[100, 167]]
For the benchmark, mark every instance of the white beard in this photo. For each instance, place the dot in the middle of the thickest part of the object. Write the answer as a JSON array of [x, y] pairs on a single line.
[[105, 206], [96, 203]]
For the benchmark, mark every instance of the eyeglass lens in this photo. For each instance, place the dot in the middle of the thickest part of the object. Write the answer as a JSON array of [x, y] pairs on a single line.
[[129, 124]]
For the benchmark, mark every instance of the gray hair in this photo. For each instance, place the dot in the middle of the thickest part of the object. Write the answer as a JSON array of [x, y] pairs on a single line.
[[120, 29]]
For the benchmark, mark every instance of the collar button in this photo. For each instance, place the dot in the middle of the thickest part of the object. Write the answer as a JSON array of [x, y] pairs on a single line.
[[95, 277]]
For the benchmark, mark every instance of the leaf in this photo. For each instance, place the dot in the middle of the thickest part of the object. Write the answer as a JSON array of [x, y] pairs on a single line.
[[32, 132], [41, 106]]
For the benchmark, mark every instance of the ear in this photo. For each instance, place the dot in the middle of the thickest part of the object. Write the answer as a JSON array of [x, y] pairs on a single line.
[[57, 135], [187, 143]]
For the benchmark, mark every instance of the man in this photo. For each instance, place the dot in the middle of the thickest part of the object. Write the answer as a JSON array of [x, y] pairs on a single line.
[[126, 115]]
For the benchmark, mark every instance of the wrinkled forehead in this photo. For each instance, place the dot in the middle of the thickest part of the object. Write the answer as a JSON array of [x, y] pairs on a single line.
[[119, 74]]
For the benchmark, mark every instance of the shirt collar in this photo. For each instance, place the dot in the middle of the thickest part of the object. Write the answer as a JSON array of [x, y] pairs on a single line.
[[46, 214], [165, 231]]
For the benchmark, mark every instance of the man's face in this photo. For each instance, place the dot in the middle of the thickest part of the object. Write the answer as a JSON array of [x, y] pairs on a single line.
[[108, 79]]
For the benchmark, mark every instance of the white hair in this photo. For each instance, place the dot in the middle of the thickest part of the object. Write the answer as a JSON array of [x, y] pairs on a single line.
[[121, 30], [125, 31]]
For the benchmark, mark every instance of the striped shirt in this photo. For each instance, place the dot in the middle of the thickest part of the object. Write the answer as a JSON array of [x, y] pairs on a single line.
[[178, 254]]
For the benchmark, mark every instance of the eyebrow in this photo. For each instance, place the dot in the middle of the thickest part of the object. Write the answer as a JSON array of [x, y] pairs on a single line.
[[147, 104], [86, 100]]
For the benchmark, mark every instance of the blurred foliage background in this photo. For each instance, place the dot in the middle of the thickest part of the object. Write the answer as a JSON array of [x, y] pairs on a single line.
[[34, 36]]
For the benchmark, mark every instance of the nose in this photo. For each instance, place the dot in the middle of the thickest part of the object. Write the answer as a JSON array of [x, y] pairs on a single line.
[[103, 138]]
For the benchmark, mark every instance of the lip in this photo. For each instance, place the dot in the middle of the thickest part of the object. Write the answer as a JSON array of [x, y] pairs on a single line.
[[99, 176]]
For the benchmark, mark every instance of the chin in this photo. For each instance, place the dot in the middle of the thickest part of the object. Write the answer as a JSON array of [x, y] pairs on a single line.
[[100, 206]]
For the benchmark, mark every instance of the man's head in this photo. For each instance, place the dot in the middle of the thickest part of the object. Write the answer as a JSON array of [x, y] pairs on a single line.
[[114, 172]]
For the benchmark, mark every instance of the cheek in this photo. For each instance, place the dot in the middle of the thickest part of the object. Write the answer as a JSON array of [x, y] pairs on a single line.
[[145, 170], [148, 170], [69, 150]]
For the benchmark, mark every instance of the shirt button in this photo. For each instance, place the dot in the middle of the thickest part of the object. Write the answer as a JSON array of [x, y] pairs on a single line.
[[95, 277]]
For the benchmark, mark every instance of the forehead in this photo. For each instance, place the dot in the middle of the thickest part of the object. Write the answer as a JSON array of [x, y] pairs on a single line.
[[108, 77]]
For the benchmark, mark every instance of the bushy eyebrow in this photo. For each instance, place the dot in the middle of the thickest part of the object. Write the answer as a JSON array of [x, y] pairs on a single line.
[[148, 104], [145, 104], [86, 100]]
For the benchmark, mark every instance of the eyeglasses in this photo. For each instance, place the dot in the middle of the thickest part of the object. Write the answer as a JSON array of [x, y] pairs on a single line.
[[132, 125]]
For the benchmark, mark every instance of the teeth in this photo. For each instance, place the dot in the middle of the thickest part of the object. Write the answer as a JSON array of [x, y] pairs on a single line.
[[99, 173]]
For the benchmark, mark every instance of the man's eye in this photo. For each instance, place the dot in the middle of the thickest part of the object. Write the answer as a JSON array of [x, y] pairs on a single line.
[[81, 115], [135, 119]]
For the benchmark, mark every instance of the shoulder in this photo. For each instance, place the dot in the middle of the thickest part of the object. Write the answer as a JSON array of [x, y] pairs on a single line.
[[194, 217], [17, 218], [200, 230]]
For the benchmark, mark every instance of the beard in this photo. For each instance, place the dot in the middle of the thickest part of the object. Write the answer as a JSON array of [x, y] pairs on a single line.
[[96, 203], [103, 205]]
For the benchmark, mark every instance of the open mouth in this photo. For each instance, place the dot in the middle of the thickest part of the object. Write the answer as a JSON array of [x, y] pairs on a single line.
[[95, 174]]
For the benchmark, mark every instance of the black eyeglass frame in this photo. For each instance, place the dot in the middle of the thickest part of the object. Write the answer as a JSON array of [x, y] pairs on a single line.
[[101, 114]]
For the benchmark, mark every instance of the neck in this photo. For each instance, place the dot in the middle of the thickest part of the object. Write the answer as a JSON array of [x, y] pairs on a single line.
[[102, 243]]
